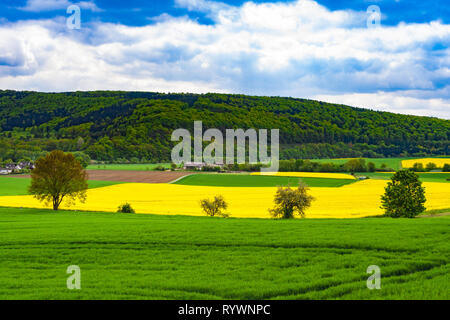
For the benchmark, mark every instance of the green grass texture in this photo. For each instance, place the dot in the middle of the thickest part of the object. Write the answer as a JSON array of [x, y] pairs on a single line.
[[126, 256]]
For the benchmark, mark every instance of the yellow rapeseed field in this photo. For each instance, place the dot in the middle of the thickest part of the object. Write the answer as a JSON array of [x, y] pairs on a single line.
[[307, 175], [439, 162], [350, 201]]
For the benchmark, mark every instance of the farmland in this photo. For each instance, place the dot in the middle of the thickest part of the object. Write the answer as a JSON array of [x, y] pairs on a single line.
[[353, 200], [177, 257], [133, 167], [16, 186], [234, 180]]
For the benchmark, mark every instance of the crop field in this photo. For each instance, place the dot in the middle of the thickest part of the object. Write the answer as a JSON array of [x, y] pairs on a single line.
[[439, 162], [132, 167], [234, 180], [423, 176], [12, 186], [355, 200], [125, 256], [393, 163]]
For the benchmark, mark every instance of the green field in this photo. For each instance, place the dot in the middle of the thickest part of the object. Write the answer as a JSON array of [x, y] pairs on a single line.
[[134, 167], [424, 176], [10, 186], [394, 163], [245, 180], [174, 257]]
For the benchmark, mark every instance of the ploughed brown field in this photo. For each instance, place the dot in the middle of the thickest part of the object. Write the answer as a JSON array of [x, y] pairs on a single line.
[[130, 176]]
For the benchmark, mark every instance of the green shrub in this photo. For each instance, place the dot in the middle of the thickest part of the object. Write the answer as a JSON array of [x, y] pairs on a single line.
[[446, 167], [125, 208], [418, 167], [431, 166]]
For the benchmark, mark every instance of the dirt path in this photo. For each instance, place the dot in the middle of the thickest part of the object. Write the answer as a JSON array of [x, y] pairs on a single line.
[[435, 215]]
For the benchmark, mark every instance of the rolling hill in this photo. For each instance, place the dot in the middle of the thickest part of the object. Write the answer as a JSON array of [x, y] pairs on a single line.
[[115, 125]]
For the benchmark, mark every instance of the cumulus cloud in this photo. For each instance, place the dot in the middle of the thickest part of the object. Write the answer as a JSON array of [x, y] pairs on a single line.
[[298, 48]]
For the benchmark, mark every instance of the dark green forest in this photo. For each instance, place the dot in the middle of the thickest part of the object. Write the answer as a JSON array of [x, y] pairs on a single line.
[[137, 126]]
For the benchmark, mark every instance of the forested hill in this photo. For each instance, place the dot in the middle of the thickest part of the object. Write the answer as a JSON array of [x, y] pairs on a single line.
[[109, 125]]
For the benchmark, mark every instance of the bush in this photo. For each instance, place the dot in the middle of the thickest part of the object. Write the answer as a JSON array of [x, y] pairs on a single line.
[[215, 207], [431, 166], [404, 195], [126, 208], [418, 167], [160, 168], [446, 167], [290, 201]]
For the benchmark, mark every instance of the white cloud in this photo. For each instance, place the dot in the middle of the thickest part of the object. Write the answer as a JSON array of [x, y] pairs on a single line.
[[299, 49], [48, 5]]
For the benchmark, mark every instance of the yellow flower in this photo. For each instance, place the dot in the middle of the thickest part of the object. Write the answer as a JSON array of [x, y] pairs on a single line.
[[356, 200], [439, 162]]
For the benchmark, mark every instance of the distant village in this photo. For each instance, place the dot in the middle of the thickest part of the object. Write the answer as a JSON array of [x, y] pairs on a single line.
[[20, 167]]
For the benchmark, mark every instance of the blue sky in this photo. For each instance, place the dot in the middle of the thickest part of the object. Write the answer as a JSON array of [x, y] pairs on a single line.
[[302, 48]]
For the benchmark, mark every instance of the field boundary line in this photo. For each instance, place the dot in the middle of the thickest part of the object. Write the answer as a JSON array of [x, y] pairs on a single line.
[[178, 179]]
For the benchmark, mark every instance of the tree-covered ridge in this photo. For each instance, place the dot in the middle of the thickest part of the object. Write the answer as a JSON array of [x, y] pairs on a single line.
[[109, 125]]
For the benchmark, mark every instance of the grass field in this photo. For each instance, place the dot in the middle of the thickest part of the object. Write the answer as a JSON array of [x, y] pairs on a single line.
[[135, 167], [18, 186], [424, 176], [175, 257], [394, 163], [236, 180]]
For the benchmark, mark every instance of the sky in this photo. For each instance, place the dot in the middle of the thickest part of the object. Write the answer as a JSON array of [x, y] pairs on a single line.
[[389, 55]]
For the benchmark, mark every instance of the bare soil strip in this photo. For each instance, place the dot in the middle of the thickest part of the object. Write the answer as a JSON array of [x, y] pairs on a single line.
[[135, 176], [130, 176], [435, 215]]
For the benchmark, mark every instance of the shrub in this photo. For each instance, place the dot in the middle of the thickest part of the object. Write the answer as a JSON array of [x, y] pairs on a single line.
[[215, 207], [404, 195], [290, 201], [431, 166], [418, 167], [126, 208], [446, 167]]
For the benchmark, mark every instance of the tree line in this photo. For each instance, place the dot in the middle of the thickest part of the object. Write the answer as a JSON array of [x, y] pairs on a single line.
[[110, 125]]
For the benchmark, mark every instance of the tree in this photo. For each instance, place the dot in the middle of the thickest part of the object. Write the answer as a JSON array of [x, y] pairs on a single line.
[[431, 166], [356, 165], [215, 207], [290, 201], [83, 158], [56, 177], [404, 195], [371, 167], [418, 167], [446, 167]]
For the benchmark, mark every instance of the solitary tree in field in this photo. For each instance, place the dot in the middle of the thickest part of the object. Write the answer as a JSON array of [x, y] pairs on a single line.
[[404, 195], [215, 207], [290, 201], [56, 177]]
